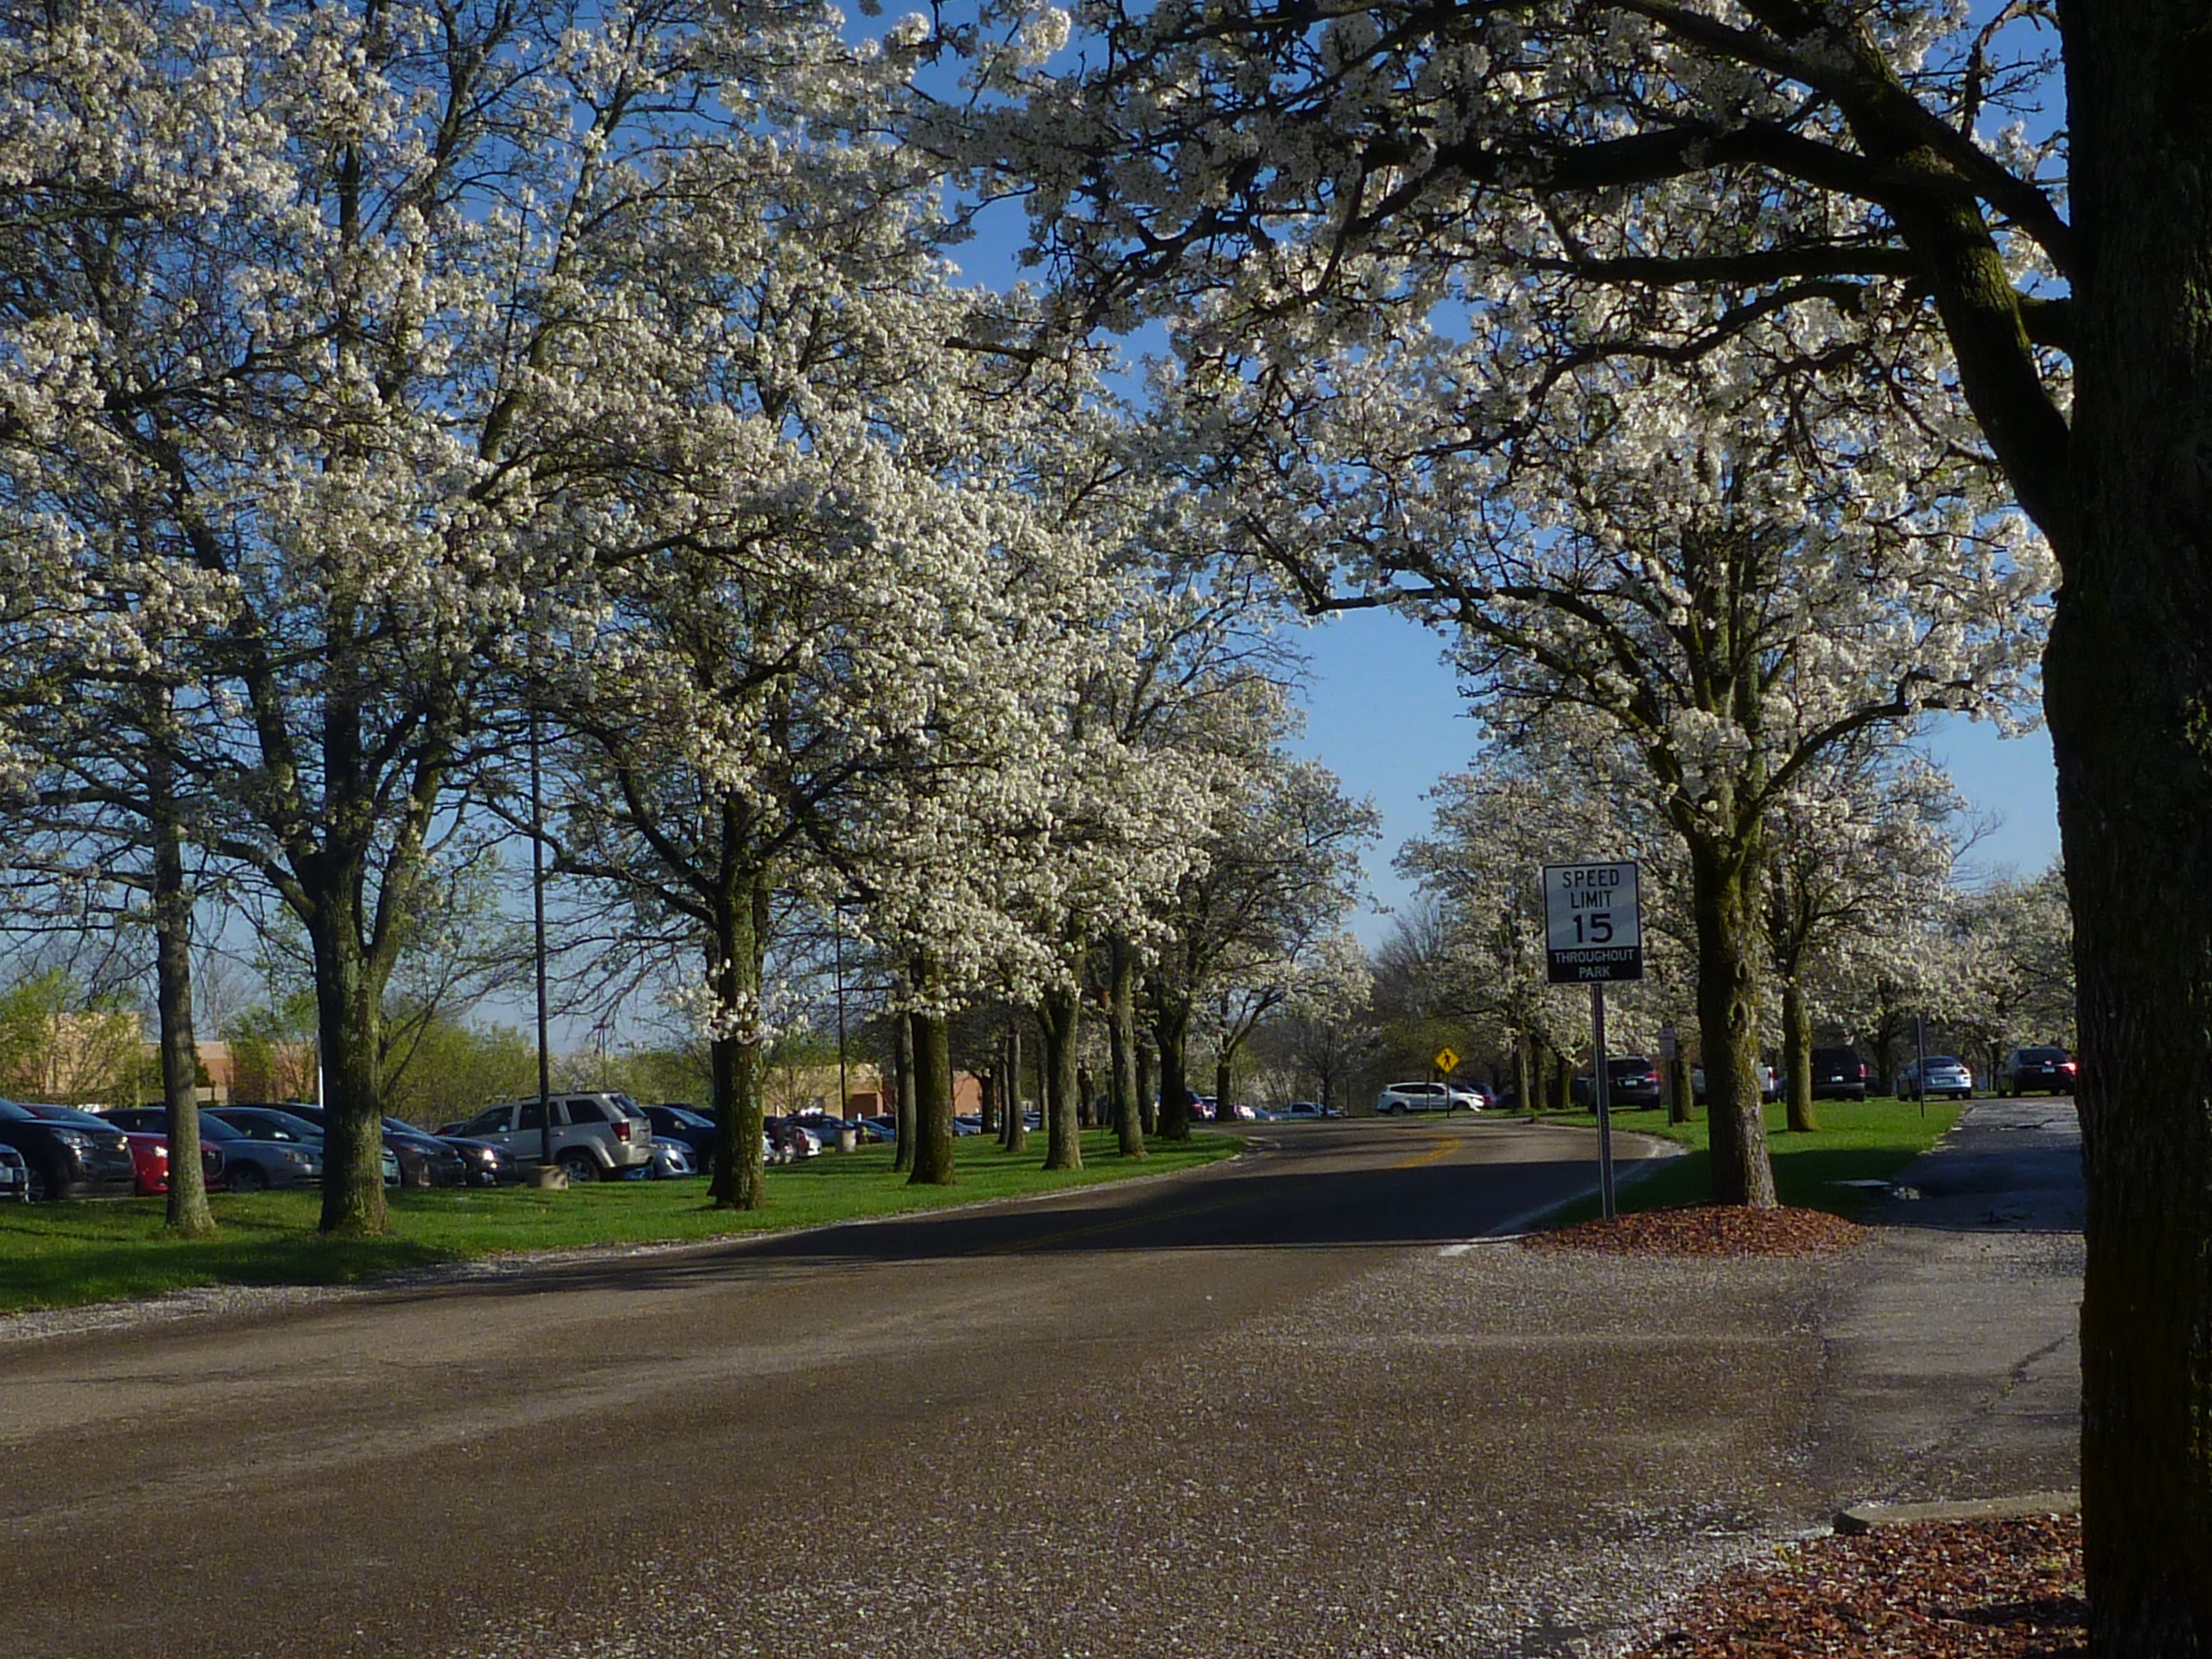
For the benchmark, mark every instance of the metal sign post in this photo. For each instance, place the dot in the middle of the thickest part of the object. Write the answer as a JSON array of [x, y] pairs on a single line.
[[1593, 935]]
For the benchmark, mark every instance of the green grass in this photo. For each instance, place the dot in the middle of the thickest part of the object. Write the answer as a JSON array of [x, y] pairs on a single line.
[[1856, 1142], [64, 1255]]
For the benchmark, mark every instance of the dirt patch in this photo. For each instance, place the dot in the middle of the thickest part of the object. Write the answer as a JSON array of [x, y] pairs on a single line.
[[1938, 1590], [1708, 1230]]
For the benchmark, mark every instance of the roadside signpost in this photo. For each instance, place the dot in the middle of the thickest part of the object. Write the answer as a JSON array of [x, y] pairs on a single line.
[[1446, 1061], [1593, 935]]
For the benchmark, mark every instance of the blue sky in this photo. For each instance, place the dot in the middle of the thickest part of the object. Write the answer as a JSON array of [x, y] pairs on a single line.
[[1385, 714]]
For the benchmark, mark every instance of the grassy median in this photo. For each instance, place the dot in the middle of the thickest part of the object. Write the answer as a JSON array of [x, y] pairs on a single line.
[[1857, 1141], [65, 1254]]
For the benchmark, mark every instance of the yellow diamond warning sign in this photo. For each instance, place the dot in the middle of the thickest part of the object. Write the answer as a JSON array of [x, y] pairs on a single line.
[[1446, 1061]]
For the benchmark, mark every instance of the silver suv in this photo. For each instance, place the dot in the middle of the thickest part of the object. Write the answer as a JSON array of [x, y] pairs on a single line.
[[595, 1136], [1427, 1097]]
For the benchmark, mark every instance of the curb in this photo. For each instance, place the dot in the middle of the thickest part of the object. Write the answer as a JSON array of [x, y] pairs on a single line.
[[1867, 1517]]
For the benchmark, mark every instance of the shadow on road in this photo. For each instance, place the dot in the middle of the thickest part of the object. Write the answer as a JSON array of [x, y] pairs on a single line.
[[1289, 1208]]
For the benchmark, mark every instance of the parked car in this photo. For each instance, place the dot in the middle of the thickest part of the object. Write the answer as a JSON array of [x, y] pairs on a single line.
[[248, 1165], [484, 1164], [1427, 1097], [1769, 1084], [1838, 1074], [15, 1176], [72, 1154], [2043, 1068], [149, 1156], [1300, 1110], [671, 1161], [1631, 1080], [283, 1128], [788, 1141], [1939, 1074], [424, 1160], [596, 1137], [825, 1128], [674, 1120]]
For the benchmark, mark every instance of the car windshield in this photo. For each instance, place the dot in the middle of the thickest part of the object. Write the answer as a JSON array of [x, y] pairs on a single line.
[[2041, 1055], [269, 1126], [213, 1128], [1934, 1060], [684, 1115]]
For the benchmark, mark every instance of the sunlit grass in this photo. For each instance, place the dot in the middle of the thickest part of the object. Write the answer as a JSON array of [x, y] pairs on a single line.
[[64, 1255], [1868, 1140]]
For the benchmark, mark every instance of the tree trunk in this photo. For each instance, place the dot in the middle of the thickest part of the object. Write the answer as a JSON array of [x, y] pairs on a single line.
[[1172, 1029], [347, 1000], [1223, 1061], [1562, 1081], [188, 1215], [2125, 683], [986, 1088], [1797, 1058], [1086, 1093], [1015, 1137], [902, 1065], [932, 1073], [1728, 943], [741, 1179], [1681, 1097], [1060, 1014], [1524, 1074], [1147, 1090], [1121, 1035]]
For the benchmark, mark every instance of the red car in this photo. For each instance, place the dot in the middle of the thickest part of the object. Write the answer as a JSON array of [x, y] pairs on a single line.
[[150, 1163]]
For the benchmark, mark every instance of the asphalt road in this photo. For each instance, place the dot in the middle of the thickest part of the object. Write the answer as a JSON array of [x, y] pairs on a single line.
[[1279, 1408]]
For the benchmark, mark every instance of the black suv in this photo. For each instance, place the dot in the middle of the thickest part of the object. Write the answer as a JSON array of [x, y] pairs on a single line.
[[1631, 1081], [1838, 1074]]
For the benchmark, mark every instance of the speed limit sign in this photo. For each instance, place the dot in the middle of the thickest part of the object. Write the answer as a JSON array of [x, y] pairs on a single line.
[[1593, 923]]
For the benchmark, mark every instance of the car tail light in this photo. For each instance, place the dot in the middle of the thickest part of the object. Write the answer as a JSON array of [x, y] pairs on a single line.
[[2066, 1065], [622, 1129]]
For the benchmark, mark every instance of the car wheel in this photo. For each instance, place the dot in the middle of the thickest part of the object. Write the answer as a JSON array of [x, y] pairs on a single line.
[[582, 1166], [247, 1177], [40, 1188]]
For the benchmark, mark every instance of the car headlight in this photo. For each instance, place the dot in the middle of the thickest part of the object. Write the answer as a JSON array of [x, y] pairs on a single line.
[[77, 1140], [291, 1157]]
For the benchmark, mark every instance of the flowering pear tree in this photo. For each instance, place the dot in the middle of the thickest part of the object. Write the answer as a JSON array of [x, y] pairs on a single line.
[[1726, 569], [1495, 829], [1279, 871], [338, 311], [1856, 851]]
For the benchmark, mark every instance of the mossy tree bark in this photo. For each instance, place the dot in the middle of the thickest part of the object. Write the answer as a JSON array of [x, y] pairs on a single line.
[[740, 948], [909, 1119], [187, 1214], [1728, 945], [1015, 1135], [933, 1097], [1171, 1029], [1060, 1014], [1121, 1005], [1797, 1058]]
